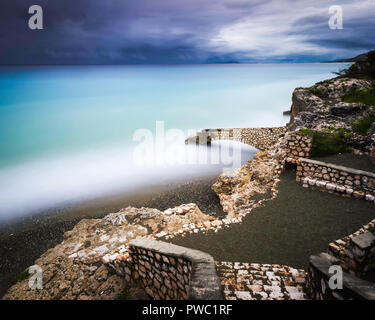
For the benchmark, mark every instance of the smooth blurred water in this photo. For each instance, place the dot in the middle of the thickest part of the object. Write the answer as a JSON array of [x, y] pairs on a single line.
[[66, 133]]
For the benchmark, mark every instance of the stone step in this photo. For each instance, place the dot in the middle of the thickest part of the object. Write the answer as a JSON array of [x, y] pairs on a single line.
[[251, 281]]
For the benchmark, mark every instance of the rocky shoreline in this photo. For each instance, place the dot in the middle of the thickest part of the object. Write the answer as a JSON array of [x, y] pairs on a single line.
[[46, 231], [328, 118]]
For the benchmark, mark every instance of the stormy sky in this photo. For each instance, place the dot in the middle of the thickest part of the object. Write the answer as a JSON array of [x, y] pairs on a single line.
[[183, 31]]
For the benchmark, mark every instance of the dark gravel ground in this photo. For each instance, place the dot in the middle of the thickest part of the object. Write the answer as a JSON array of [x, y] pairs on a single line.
[[350, 160], [288, 229]]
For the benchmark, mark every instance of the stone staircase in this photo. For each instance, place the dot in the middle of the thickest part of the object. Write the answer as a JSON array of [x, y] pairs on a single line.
[[252, 281]]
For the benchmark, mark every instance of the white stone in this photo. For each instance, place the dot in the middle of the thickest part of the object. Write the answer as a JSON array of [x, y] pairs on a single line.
[[312, 182], [321, 184], [330, 186], [243, 295]]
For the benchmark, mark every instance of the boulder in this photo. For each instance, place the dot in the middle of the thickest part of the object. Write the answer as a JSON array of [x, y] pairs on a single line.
[[343, 109]]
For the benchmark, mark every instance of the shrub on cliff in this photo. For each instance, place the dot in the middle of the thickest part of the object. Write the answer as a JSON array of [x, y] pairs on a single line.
[[364, 96], [23, 275], [328, 142], [363, 125]]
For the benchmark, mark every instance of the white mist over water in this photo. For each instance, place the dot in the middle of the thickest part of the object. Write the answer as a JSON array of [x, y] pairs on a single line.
[[66, 133], [51, 182]]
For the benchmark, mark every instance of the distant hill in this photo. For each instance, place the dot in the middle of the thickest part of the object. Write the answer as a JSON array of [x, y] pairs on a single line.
[[363, 67], [361, 57]]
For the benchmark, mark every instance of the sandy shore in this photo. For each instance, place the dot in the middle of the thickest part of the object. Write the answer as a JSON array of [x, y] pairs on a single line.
[[24, 240]]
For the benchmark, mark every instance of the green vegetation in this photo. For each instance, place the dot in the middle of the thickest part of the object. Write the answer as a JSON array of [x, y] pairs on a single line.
[[23, 275], [330, 141], [123, 295], [315, 91], [363, 125], [364, 69], [361, 96], [306, 131]]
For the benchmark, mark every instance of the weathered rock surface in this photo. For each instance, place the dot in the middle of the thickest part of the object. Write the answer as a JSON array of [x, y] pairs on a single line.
[[321, 107], [74, 269], [236, 189], [316, 102]]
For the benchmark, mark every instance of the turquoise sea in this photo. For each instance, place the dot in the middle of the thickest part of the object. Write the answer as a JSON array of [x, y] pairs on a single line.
[[69, 133]]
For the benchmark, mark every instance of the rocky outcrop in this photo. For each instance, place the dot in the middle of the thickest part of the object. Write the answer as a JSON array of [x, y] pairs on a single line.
[[321, 105], [76, 268], [237, 190], [319, 109]]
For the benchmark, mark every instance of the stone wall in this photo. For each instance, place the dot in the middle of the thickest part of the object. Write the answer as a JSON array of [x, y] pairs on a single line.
[[318, 286], [336, 179], [297, 145], [356, 252], [260, 138], [170, 272]]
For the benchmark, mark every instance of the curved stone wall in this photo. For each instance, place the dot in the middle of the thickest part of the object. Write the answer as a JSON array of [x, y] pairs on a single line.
[[260, 138], [167, 271], [336, 179]]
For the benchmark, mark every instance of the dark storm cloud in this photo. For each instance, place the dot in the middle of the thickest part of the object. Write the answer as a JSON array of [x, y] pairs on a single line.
[[183, 31]]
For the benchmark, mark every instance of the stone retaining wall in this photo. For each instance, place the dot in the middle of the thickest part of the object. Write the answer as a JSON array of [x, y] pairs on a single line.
[[167, 271], [297, 145], [356, 252], [336, 179], [260, 138], [318, 286]]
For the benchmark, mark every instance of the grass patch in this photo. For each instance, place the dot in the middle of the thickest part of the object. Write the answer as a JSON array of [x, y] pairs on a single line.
[[23, 275], [361, 96], [328, 142], [363, 125], [315, 91], [123, 295], [306, 131]]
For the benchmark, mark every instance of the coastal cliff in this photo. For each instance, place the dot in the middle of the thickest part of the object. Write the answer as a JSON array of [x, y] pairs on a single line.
[[337, 114]]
